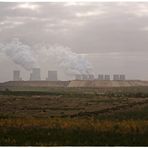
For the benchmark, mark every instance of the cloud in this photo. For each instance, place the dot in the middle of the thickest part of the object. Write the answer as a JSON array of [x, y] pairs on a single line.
[[111, 32], [86, 27], [29, 6], [90, 13], [144, 28], [69, 4]]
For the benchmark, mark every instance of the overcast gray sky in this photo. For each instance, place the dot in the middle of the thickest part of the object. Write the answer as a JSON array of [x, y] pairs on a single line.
[[112, 35]]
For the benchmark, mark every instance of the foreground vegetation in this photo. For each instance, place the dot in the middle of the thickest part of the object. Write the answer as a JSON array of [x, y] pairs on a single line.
[[72, 132], [122, 120]]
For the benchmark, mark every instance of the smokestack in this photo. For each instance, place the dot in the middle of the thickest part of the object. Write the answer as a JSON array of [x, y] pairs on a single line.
[[16, 75], [35, 75], [52, 76]]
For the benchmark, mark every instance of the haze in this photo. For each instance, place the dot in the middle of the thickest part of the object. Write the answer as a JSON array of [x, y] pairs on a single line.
[[113, 36]]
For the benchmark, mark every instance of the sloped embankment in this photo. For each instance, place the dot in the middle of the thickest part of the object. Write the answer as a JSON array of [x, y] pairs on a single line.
[[98, 83]]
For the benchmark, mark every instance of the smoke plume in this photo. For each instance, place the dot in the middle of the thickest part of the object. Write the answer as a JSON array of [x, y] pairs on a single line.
[[27, 57], [19, 53], [67, 60]]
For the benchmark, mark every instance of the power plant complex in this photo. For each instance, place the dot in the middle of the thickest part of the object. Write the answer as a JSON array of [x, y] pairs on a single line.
[[35, 75], [116, 77], [78, 80]]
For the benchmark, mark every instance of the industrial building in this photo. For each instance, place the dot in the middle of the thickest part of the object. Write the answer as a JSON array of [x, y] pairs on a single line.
[[16, 75], [116, 77], [91, 77], [35, 75], [119, 77], [106, 77], [52, 76], [84, 77], [122, 77], [78, 77], [100, 77]]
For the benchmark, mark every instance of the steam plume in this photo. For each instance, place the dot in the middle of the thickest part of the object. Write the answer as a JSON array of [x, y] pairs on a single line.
[[71, 62], [25, 56], [19, 53]]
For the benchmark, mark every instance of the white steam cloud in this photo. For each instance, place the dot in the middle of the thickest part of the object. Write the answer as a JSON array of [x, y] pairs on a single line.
[[67, 60], [71, 62], [19, 53]]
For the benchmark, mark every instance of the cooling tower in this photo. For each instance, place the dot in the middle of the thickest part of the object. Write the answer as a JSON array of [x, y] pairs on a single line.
[[52, 76], [16, 75], [35, 75]]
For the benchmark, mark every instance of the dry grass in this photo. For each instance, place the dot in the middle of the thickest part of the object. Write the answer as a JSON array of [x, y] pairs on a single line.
[[124, 126], [85, 132]]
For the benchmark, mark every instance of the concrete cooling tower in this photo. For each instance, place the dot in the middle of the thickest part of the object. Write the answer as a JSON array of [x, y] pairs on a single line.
[[35, 75], [16, 75], [52, 76]]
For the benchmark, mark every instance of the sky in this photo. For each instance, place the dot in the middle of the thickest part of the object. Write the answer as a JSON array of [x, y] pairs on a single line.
[[112, 36]]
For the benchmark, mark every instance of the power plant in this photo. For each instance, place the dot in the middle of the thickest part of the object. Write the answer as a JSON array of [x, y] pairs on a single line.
[[52, 75], [106, 77], [35, 75], [81, 80]]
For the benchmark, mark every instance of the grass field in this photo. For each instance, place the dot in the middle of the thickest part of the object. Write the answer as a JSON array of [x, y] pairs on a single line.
[[74, 116]]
